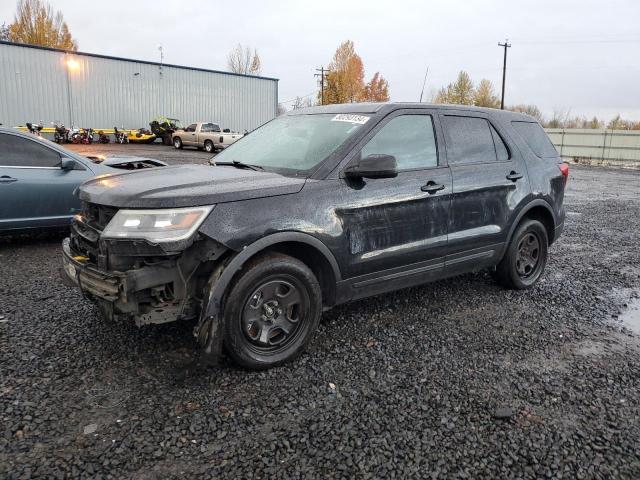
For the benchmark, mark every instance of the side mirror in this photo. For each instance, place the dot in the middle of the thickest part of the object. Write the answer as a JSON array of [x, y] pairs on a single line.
[[373, 166], [67, 163]]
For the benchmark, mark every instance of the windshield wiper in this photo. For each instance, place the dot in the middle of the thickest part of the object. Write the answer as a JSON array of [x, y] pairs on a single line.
[[239, 164]]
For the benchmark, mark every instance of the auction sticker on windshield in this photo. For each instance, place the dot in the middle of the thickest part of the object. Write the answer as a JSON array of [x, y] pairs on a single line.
[[348, 117]]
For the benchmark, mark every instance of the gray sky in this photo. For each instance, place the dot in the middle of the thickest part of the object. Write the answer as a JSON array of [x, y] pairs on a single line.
[[582, 56]]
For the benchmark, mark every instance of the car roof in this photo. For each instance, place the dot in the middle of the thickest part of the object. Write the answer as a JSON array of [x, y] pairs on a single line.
[[387, 107]]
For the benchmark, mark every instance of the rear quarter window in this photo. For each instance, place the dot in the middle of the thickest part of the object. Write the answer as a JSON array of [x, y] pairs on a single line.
[[537, 139]]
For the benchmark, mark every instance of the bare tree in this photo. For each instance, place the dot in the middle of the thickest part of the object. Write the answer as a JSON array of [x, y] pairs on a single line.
[[300, 102], [243, 60], [4, 32], [530, 109]]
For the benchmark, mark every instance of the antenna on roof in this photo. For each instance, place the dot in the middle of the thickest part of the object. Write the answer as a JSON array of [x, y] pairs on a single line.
[[424, 82]]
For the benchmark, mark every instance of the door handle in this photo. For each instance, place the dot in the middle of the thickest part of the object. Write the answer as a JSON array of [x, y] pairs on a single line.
[[7, 179], [432, 187], [513, 176]]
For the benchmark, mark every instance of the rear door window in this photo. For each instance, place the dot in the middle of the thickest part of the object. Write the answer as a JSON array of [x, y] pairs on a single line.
[[537, 139], [469, 140], [18, 151], [502, 152]]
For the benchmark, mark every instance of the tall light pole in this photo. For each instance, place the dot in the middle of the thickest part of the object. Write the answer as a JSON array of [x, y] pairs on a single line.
[[506, 45], [71, 65]]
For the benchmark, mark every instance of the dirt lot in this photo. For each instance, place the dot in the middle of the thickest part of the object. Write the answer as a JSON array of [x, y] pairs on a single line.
[[455, 379]]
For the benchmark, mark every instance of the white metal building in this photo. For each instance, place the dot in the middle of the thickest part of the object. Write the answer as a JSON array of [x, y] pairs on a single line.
[[87, 90]]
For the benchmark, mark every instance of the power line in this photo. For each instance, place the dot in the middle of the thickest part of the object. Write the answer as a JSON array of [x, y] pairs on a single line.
[[506, 45], [298, 97]]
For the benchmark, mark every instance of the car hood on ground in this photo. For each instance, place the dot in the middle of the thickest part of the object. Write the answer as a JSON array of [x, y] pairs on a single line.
[[185, 186]]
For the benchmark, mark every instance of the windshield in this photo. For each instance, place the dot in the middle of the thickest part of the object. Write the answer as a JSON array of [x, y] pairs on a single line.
[[294, 144]]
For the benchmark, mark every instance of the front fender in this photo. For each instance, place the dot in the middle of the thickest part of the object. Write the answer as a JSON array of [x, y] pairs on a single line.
[[209, 329]]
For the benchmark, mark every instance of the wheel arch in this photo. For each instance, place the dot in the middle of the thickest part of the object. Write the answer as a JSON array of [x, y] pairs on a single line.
[[306, 248], [538, 210]]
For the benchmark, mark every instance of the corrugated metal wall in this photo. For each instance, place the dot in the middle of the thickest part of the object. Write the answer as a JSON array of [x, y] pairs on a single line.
[[37, 84], [607, 145]]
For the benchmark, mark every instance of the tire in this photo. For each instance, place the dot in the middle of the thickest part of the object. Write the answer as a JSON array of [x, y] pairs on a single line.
[[177, 143], [166, 140], [262, 306], [208, 146], [525, 258]]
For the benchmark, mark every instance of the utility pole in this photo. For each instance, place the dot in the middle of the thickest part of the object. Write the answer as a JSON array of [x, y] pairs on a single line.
[[506, 45], [323, 74]]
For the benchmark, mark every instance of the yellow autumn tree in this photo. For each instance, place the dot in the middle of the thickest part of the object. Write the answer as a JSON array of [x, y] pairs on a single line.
[[35, 23], [377, 90], [345, 81]]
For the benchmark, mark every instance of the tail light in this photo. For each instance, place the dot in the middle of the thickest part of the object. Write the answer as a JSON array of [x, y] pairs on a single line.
[[564, 169]]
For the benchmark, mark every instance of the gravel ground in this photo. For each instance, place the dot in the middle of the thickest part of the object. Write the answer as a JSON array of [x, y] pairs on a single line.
[[460, 378], [153, 150]]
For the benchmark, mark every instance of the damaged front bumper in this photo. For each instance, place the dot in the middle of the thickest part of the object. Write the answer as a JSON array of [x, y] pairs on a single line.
[[145, 295], [76, 272]]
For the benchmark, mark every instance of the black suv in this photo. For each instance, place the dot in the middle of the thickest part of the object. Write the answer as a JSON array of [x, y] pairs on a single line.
[[316, 208]]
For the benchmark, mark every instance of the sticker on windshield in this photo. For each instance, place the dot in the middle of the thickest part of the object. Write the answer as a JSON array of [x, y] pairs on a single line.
[[348, 117]]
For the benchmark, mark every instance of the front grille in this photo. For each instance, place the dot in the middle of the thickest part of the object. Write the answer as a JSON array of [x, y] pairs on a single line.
[[97, 216], [85, 231]]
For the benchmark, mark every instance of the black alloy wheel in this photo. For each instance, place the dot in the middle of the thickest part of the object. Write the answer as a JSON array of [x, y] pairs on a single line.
[[526, 256], [272, 311]]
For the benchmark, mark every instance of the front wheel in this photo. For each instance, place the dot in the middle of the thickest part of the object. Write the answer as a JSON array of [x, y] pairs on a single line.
[[177, 143], [526, 256], [272, 312]]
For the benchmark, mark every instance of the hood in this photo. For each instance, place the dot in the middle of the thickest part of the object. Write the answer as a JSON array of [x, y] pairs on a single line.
[[185, 186], [126, 162]]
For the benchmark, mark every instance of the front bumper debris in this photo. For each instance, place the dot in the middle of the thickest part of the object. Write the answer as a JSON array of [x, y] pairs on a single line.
[[100, 284]]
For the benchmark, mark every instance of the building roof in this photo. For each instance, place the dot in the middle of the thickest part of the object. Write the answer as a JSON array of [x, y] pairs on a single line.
[[109, 57]]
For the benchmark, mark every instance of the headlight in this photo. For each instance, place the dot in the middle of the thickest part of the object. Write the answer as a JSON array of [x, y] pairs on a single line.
[[161, 225]]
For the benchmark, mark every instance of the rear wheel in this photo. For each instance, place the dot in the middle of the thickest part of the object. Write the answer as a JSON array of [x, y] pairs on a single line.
[[177, 143], [272, 312], [208, 146], [526, 256]]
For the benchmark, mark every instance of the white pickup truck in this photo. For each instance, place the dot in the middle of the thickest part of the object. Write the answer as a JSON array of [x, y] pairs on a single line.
[[205, 135]]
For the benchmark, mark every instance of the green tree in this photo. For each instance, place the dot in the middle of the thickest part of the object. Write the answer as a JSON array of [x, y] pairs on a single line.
[[461, 92], [35, 23], [484, 95], [594, 123]]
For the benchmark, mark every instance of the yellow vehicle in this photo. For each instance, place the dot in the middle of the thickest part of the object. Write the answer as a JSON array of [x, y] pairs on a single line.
[[141, 135]]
